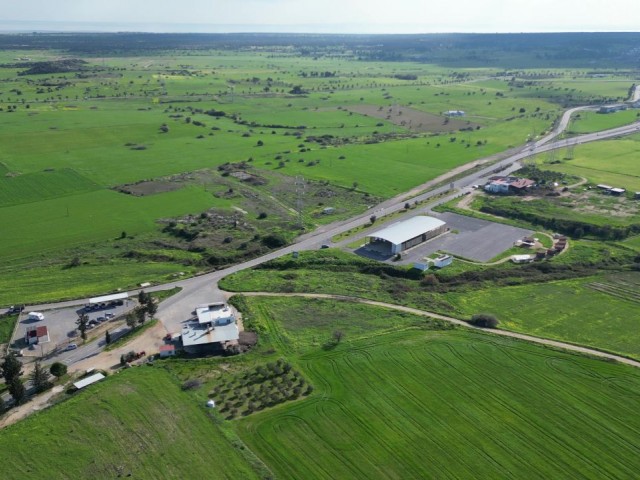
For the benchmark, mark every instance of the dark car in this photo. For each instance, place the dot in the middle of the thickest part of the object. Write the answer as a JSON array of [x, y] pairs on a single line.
[[15, 309]]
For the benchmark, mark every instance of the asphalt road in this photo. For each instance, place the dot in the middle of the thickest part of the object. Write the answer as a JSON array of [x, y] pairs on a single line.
[[175, 310]]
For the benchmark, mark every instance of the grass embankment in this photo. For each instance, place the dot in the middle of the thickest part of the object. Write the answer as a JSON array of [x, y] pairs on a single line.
[[7, 325], [447, 404], [138, 423]]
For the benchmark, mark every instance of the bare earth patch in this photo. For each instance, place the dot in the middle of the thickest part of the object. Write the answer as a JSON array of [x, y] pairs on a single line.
[[412, 119]]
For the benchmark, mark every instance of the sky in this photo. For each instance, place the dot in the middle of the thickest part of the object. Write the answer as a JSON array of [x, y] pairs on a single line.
[[321, 16]]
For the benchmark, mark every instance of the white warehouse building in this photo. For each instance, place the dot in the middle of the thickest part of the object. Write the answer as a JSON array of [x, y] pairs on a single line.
[[403, 235]]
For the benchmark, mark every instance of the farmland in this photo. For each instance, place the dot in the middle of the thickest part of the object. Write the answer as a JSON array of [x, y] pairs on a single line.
[[611, 162], [122, 427], [599, 311], [414, 404], [75, 142], [567, 309]]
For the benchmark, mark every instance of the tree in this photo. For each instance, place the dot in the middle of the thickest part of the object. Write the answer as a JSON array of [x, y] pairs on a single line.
[[17, 391], [40, 378], [140, 313], [337, 335], [82, 322], [58, 369], [373, 219], [11, 367], [107, 337], [484, 320], [151, 308], [407, 206], [131, 320], [143, 297]]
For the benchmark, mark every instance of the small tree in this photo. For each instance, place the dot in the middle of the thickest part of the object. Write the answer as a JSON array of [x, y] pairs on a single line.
[[484, 320], [143, 297], [40, 378], [407, 206], [17, 390], [82, 322], [131, 320], [337, 335], [58, 369], [11, 367], [107, 337], [373, 219], [151, 308], [140, 313]]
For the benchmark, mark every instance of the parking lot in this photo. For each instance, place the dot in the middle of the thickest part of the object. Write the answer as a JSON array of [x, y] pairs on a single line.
[[62, 327], [470, 238]]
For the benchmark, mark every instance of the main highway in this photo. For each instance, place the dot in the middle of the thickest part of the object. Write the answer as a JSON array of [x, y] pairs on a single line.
[[204, 288]]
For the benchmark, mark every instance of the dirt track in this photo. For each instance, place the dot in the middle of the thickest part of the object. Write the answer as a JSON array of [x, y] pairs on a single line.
[[415, 311]]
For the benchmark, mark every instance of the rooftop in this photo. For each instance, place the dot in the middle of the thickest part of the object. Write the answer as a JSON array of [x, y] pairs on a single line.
[[400, 232], [88, 381], [216, 313], [109, 298], [202, 334]]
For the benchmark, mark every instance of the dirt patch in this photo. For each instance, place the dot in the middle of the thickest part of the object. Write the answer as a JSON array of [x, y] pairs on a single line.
[[414, 120], [165, 184]]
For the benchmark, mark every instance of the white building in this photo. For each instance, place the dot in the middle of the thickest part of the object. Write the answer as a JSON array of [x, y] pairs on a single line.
[[216, 326], [442, 261], [406, 234]]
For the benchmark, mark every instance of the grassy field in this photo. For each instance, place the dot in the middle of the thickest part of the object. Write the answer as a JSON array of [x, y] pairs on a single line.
[[587, 122], [137, 424], [34, 285], [570, 310], [612, 162], [418, 404]]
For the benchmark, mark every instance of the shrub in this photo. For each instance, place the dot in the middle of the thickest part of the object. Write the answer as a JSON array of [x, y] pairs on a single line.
[[484, 320]]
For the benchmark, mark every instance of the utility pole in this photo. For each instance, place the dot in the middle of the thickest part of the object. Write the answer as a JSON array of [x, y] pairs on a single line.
[[300, 199]]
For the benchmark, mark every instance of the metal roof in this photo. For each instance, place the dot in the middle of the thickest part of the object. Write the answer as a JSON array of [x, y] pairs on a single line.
[[109, 298], [202, 334], [402, 231], [216, 313], [88, 381]]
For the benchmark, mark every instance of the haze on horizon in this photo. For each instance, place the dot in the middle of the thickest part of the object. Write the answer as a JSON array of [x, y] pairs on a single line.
[[326, 16]]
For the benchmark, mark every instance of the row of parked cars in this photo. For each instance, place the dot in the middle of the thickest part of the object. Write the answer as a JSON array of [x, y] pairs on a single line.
[[103, 306], [98, 320]]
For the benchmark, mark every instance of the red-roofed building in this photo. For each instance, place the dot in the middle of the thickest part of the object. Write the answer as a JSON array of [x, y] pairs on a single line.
[[36, 335], [167, 351]]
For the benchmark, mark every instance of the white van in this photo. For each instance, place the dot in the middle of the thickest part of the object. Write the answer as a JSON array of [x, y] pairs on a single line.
[[35, 316]]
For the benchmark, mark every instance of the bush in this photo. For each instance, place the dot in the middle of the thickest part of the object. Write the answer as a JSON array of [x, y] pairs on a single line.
[[484, 320]]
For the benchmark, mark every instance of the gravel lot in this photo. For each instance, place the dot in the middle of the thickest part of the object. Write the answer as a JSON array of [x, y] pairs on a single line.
[[62, 326]]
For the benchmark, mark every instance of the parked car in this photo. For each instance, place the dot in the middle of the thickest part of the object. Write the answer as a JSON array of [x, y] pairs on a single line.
[[101, 319], [71, 346], [109, 315], [15, 309], [36, 316]]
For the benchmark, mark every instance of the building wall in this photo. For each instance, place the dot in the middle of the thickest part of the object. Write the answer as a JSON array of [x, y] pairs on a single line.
[[419, 239]]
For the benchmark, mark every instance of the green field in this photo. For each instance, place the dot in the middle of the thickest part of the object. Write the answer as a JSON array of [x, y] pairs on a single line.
[[137, 424], [435, 404], [570, 310], [587, 122], [611, 162]]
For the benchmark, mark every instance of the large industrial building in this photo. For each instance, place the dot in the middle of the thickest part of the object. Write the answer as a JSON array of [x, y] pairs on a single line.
[[403, 235]]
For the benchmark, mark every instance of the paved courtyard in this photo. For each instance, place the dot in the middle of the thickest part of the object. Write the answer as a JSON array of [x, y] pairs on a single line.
[[478, 240]]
